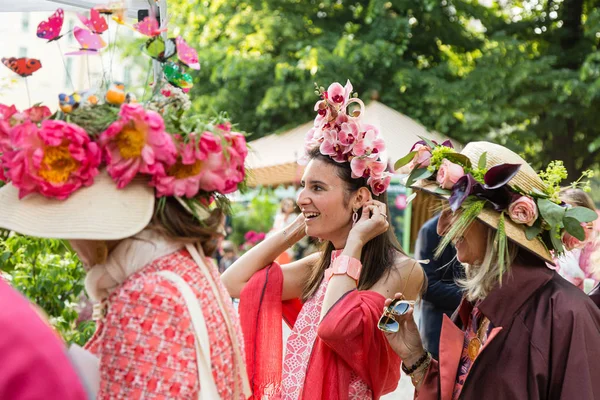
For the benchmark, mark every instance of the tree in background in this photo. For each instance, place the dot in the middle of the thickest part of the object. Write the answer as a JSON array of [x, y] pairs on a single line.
[[524, 73], [260, 58]]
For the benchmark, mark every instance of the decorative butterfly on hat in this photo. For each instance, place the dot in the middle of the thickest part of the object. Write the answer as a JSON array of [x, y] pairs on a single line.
[[22, 66], [50, 29], [90, 43], [96, 23]]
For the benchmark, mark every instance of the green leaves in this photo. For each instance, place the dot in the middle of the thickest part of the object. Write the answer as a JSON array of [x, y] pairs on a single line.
[[50, 275], [574, 228], [482, 161], [552, 213], [416, 174], [404, 160], [582, 214], [458, 158]]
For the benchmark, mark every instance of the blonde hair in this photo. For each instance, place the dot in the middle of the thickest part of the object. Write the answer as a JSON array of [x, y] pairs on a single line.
[[577, 198], [481, 278]]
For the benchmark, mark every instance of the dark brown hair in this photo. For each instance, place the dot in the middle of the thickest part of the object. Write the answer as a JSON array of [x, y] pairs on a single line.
[[176, 222], [377, 255]]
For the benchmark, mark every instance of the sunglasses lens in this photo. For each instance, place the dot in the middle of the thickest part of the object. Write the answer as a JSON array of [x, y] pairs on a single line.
[[400, 308], [387, 324]]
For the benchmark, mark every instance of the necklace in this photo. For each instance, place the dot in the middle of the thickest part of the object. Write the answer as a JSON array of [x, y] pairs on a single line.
[[476, 342]]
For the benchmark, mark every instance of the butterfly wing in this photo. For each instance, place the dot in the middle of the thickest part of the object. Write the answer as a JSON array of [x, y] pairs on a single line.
[[90, 42], [187, 54], [148, 26], [50, 29], [160, 50], [176, 77], [22, 66], [96, 23]]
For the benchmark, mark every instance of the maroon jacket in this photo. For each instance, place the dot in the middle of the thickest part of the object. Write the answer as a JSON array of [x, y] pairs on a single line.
[[545, 343], [595, 295]]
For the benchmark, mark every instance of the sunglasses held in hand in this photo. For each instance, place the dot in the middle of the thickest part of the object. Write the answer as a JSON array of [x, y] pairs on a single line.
[[398, 307]]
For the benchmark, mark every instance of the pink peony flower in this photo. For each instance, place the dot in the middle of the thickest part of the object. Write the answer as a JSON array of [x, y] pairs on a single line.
[[523, 211], [225, 127], [339, 94], [370, 142], [137, 142], [5, 126], [37, 114], [223, 172], [449, 173], [379, 184], [182, 179], [423, 157], [366, 167], [54, 160]]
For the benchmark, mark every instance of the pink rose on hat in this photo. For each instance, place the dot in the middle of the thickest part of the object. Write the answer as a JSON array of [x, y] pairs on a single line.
[[423, 157], [523, 211], [448, 174]]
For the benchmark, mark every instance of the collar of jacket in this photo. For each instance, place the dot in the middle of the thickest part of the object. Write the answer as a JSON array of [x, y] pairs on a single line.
[[519, 283]]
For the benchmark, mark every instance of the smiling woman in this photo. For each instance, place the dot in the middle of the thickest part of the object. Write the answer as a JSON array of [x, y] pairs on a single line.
[[343, 287]]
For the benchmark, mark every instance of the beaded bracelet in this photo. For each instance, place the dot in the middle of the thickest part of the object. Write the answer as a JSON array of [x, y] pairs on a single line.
[[416, 365]]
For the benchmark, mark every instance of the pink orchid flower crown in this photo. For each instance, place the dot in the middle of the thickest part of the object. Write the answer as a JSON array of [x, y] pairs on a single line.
[[346, 138]]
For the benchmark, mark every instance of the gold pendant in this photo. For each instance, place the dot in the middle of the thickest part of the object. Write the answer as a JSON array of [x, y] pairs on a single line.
[[473, 349]]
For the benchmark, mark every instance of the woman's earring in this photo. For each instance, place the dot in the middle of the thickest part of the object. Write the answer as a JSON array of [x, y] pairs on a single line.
[[355, 217]]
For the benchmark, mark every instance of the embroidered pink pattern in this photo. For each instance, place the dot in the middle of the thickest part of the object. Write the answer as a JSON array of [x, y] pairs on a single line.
[[146, 342], [299, 348]]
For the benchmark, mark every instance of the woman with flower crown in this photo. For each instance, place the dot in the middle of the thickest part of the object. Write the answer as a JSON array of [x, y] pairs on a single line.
[[521, 330], [140, 206], [331, 299]]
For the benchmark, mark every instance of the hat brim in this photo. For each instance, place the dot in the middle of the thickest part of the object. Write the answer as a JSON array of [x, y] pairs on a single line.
[[98, 212], [514, 232]]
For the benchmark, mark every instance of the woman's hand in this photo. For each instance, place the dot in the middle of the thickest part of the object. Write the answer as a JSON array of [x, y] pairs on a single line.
[[295, 231], [407, 341], [372, 223]]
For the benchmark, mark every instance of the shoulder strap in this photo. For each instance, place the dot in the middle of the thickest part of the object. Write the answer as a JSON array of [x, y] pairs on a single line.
[[239, 358], [208, 388]]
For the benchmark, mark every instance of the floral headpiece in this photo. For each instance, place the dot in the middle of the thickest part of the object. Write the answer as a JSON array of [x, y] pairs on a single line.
[[475, 188], [181, 155], [346, 138]]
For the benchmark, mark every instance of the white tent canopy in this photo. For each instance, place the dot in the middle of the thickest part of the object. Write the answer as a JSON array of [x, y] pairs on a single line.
[[273, 159]]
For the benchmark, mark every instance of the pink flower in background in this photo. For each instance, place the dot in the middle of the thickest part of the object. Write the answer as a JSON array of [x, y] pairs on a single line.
[[366, 167], [182, 179], [423, 157], [370, 143], [379, 184], [448, 174], [54, 160], [137, 142], [523, 211]]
